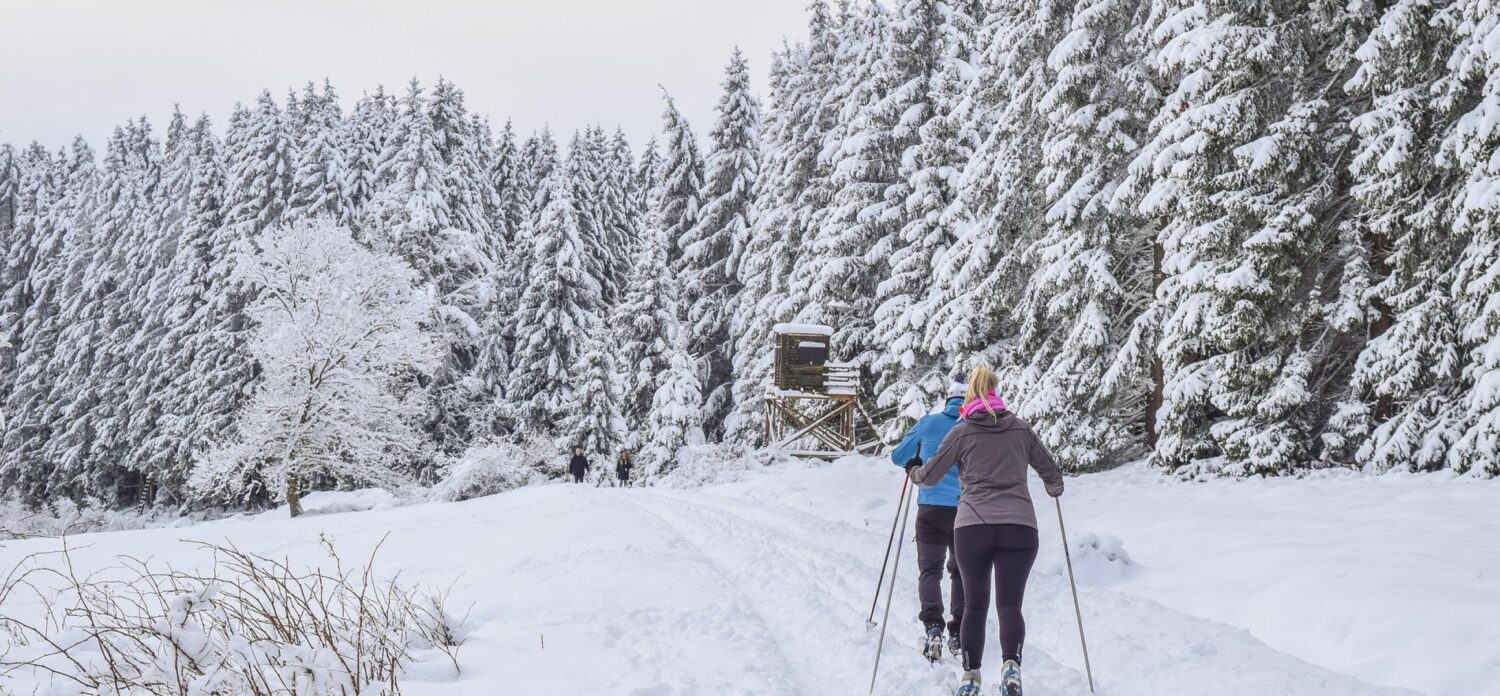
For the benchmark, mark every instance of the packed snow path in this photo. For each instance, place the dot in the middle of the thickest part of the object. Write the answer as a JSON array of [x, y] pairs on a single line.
[[758, 587]]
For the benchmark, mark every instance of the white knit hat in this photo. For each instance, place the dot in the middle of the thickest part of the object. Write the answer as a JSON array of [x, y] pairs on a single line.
[[959, 388]]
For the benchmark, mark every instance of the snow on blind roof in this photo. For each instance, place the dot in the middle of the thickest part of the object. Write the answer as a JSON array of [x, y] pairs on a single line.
[[811, 329]]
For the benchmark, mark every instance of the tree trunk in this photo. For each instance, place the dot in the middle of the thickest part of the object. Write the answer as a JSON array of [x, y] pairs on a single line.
[[1158, 374], [294, 494]]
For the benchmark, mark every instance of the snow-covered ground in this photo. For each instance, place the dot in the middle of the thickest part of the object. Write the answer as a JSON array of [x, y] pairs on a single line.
[[761, 585]]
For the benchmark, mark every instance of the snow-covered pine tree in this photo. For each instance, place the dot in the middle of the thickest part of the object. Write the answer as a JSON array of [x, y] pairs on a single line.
[[510, 196], [844, 252], [713, 248], [464, 393], [931, 56], [1085, 368], [1470, 148], [647, 180], [978, 281], [644, 324], [101, 322], [680, 179], [586, 172], [539, 161], [366, 132], [203, 310], [411, 218], [10, 180], [622, 218], [33, 263], [1406, 379], [794, 194], [10, 174], [592, 419], [509, 199], [1242, 176], [322, 175], [747, 357], [31, 183], [152, 353], [558, 311], [676, 418], [262, 159], [46, 382], [339, 327], [466, 176]]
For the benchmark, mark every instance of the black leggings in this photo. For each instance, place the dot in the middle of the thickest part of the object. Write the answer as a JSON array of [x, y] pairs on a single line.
[[1008, 550]]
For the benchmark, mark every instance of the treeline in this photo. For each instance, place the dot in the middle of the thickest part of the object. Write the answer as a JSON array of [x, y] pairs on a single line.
[[127, 309], [1237, 238]]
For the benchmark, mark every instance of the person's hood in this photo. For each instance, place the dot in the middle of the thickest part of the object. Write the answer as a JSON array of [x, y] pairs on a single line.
[[955, 404], [998, 423], [990, 402]]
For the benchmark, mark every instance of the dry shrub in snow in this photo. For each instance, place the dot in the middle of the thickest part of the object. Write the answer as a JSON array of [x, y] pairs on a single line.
[[248, 625]]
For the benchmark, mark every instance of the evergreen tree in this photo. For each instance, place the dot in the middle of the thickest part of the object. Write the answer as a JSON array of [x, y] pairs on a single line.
[[210, 367], [1470, 148], [1242, 176], [847, 245], [366, 134], [411, 218], [1083, 367], [557, 310], [680, 179], [622, 218], [795, 191], [1406, 379], [34, 265], [978, 281], [713, 248], [644, 324], [322, 175], [592, 421], [931, 49], [262, 160], [676, 419]]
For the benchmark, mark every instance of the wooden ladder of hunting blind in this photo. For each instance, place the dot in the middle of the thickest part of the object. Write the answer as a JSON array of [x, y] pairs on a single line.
[[813, 407]]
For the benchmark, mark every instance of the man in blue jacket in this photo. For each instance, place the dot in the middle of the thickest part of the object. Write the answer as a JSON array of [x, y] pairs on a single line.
[[936, 508]]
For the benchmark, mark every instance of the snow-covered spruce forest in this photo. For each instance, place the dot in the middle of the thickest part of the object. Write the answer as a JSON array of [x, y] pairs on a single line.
[[1234, 237]]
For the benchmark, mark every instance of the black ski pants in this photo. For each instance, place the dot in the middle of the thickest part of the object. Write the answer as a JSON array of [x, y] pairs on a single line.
[[934, 546], [1007, 551]]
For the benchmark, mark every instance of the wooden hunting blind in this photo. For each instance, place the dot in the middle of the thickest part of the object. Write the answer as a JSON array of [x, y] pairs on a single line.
[[812, 405]]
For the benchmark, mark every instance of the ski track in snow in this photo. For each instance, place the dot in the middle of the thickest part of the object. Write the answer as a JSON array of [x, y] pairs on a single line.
[[759, 587]]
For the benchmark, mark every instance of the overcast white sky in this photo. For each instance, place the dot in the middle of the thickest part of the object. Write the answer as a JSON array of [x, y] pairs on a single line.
[[83, 66]]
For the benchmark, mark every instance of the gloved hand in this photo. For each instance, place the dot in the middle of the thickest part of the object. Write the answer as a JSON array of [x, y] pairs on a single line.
[[911, 466], [1055, 489]]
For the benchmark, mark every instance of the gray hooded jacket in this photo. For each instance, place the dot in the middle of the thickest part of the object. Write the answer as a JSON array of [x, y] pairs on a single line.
[[992, 453]]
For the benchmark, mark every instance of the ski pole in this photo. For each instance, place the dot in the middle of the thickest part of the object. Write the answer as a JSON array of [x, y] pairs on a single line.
[[1078, 612], [886, 620], [900, 503]]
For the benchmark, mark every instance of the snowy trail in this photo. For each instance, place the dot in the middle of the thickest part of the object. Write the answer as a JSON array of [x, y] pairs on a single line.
[[753, 587], [801, 572]]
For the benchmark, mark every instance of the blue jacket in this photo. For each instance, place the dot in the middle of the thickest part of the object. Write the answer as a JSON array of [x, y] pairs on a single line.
[[927, 434]]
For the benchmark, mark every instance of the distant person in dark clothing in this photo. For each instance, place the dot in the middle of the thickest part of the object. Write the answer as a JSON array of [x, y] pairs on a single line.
[[623, 465], [578, 466]]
